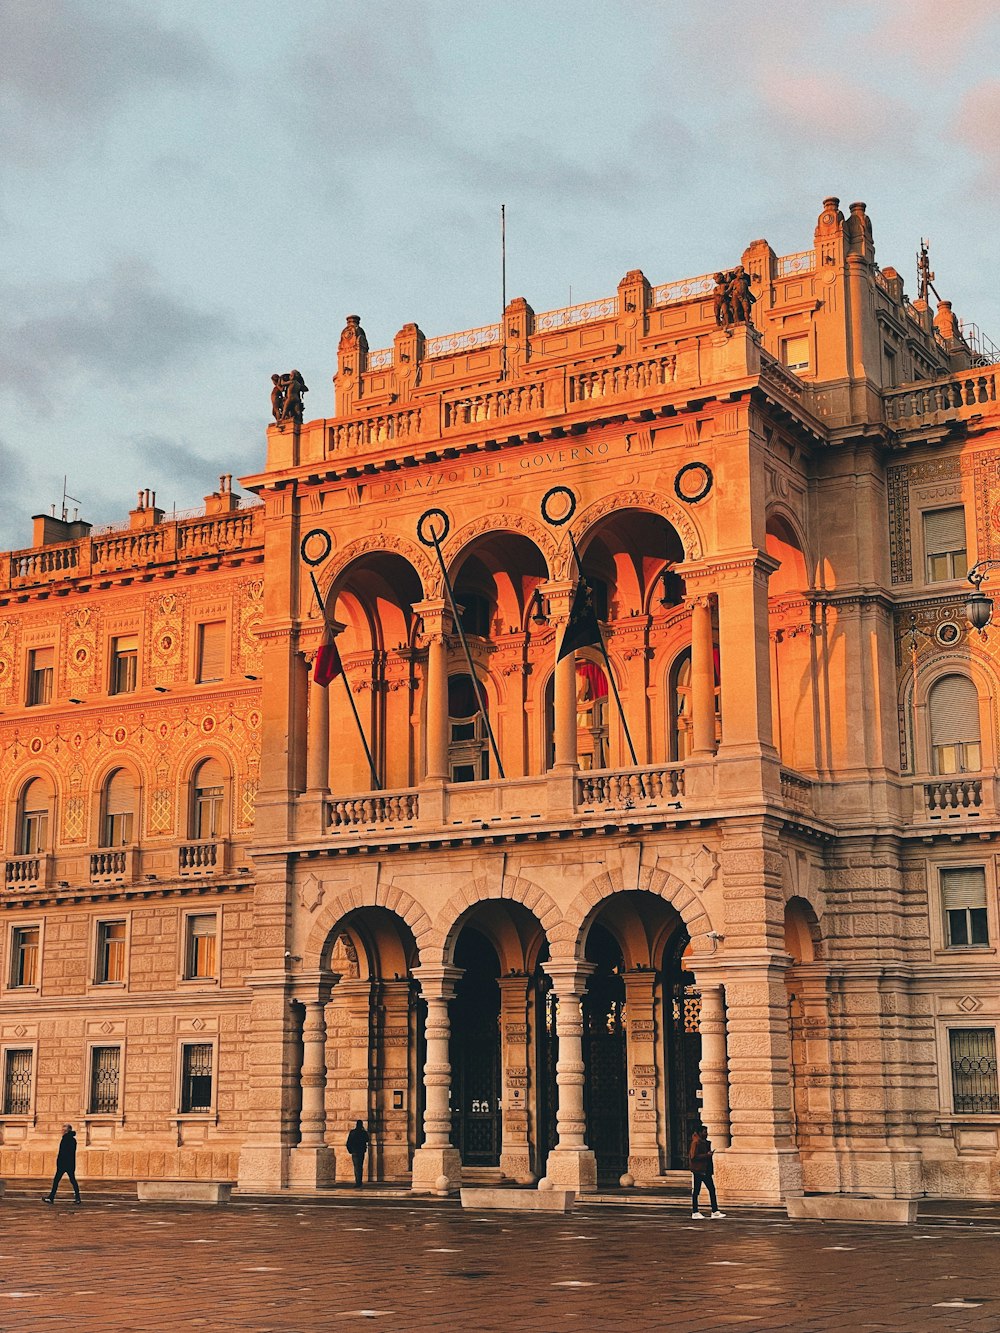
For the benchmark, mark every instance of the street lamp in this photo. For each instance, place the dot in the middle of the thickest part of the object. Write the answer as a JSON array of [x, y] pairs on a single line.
[[978, 606]]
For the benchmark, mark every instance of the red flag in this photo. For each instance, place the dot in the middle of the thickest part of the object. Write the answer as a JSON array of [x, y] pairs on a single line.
[[327, 665]]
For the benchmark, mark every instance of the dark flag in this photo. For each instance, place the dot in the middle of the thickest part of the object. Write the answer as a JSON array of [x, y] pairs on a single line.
[[582, 629], [327, 665]]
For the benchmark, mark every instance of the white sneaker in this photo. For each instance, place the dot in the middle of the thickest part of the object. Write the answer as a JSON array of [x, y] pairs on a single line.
[[718, 1214], [699, 1216]]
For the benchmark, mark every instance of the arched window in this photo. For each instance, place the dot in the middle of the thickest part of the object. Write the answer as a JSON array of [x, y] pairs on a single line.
[[33, 819], [591, 715], [119, 809], [680, 708], [954, 713], [209, 795], [468, 752]]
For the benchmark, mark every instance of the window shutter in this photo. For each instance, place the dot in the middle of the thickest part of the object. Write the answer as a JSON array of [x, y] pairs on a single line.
[[37, 796], [963, 887], [127, 643], [944, 530], [954, 708], [119, 795], [210, 774], [212, 650], [43, 659]]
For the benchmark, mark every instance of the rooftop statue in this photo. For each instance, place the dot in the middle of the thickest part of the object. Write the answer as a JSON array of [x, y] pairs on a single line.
[[286, 398], [732, 298]]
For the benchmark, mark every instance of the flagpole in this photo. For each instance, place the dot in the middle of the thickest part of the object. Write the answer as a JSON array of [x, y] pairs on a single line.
[[468, 656], [503, 290], [604, 654], [376, 785]]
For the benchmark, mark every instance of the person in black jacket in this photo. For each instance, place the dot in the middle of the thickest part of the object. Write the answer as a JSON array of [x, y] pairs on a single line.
[[357, 1146], [65, 1165]]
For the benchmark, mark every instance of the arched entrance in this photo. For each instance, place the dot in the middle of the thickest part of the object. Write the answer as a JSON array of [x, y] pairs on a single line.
[[642, 1046], [374, 1042], [502, 1048]]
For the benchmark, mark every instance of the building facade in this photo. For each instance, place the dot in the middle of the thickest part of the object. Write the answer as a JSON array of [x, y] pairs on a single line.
[[740, 868]]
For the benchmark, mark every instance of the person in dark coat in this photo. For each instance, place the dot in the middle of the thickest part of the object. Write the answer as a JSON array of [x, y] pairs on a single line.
[[357, 1146], [700, 1157], [65, 1165]]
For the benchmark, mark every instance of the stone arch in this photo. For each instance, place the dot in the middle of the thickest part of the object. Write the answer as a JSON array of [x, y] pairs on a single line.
[[388, 542], [331, 909], [803, 934], [501, 520], [653, 502], [650, 879], [512, 889], [987, 682]]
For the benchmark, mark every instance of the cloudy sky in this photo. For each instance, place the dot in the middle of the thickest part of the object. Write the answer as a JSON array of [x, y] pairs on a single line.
[[194, 195]]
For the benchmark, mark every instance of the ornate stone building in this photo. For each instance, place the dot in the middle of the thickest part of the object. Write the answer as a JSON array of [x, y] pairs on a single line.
[[526, 938]]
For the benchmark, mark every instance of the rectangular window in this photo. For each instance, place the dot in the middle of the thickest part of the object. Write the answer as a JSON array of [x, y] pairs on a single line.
[[795, 352], [211, 650], [110, 951], [24, 956], [208, 812], [124, 663], [196, 1079], [890, 367], [944, 544], [200, 951], [34, 832], [105, 1067], [963, 899], [17, 1082], [41, 664], [974, 1071]]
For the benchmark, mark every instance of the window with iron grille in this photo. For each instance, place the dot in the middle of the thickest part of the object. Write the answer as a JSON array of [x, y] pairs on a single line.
[[110, 951], [963, 898], [17, 1082], [200, 947], [974, 1071], [24, 956], [41, 664], [105, 1068], [196, 1079], [124, 663]]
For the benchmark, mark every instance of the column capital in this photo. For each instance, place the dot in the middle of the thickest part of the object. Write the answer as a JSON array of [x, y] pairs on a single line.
[[569, 976], [437, 981], [314, 986]]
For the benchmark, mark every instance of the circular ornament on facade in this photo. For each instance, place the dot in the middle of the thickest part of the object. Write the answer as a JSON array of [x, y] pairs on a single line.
[[316, 546], [35, 745], [693, 482], [829, 219], [433, 524], [948, 633], [208, 725], [81, 657], [121, 735], [166, 642], [558, 505]]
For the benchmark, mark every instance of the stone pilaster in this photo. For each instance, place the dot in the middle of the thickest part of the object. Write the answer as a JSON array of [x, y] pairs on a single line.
[[644, 1159], [714, 1063], [571, 1164], [312, 1162], [437, 1166], [515, 1027], [389, 1152]]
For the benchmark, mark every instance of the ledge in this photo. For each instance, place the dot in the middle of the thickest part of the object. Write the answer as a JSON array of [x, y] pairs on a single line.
[[851, 1208], [184, 1191], [520, 1200]]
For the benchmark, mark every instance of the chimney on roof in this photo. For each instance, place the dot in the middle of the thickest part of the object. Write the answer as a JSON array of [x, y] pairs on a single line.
[[222, 501], [47, 530], [145, 514]]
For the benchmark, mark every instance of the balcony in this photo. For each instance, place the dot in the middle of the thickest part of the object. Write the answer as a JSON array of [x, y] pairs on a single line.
[[953, 797], [26, 872], [203, 857], [112, 865]]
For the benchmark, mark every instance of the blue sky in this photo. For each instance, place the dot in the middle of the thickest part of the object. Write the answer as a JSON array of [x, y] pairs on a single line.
[[194, 195]]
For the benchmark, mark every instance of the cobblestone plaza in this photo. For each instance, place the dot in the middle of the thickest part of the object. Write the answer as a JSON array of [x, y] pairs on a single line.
[[401, 1266]]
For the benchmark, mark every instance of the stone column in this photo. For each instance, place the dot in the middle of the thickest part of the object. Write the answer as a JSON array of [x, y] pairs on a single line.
[[312, 1162], [562, 777], [714, 1063], [702, 678], [435, 629], [437, 1166], [571, 1164], [389, 1152], [515, 1028], [644, 1161], [318, 745]]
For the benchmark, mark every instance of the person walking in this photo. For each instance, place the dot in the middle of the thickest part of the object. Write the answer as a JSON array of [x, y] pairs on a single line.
[[65, 1165], [357, 1146], [700, 1157]]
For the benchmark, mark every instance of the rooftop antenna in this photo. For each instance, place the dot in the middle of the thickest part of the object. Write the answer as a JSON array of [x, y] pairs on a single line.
[[503, 291], [67, 496], [925, 278]]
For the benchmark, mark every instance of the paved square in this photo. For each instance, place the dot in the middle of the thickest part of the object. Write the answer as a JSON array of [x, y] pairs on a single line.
[[413, 1266]]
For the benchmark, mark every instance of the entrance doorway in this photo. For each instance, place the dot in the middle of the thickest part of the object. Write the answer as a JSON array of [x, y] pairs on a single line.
[[475, 1052], [604, 1054]]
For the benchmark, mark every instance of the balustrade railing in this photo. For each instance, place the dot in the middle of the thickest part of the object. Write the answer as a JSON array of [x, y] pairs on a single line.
[[583, 313], [467, 340], [687, 289], [796, 791], [123, 550], [626, 789], [610, 381], [216, 534], [380, 359], [45, 562], [109, 864], [497, 403], [199, 858], [383, 428], [384, 807], [953, 794], [803, 262], [940, 397], [24, 872]]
